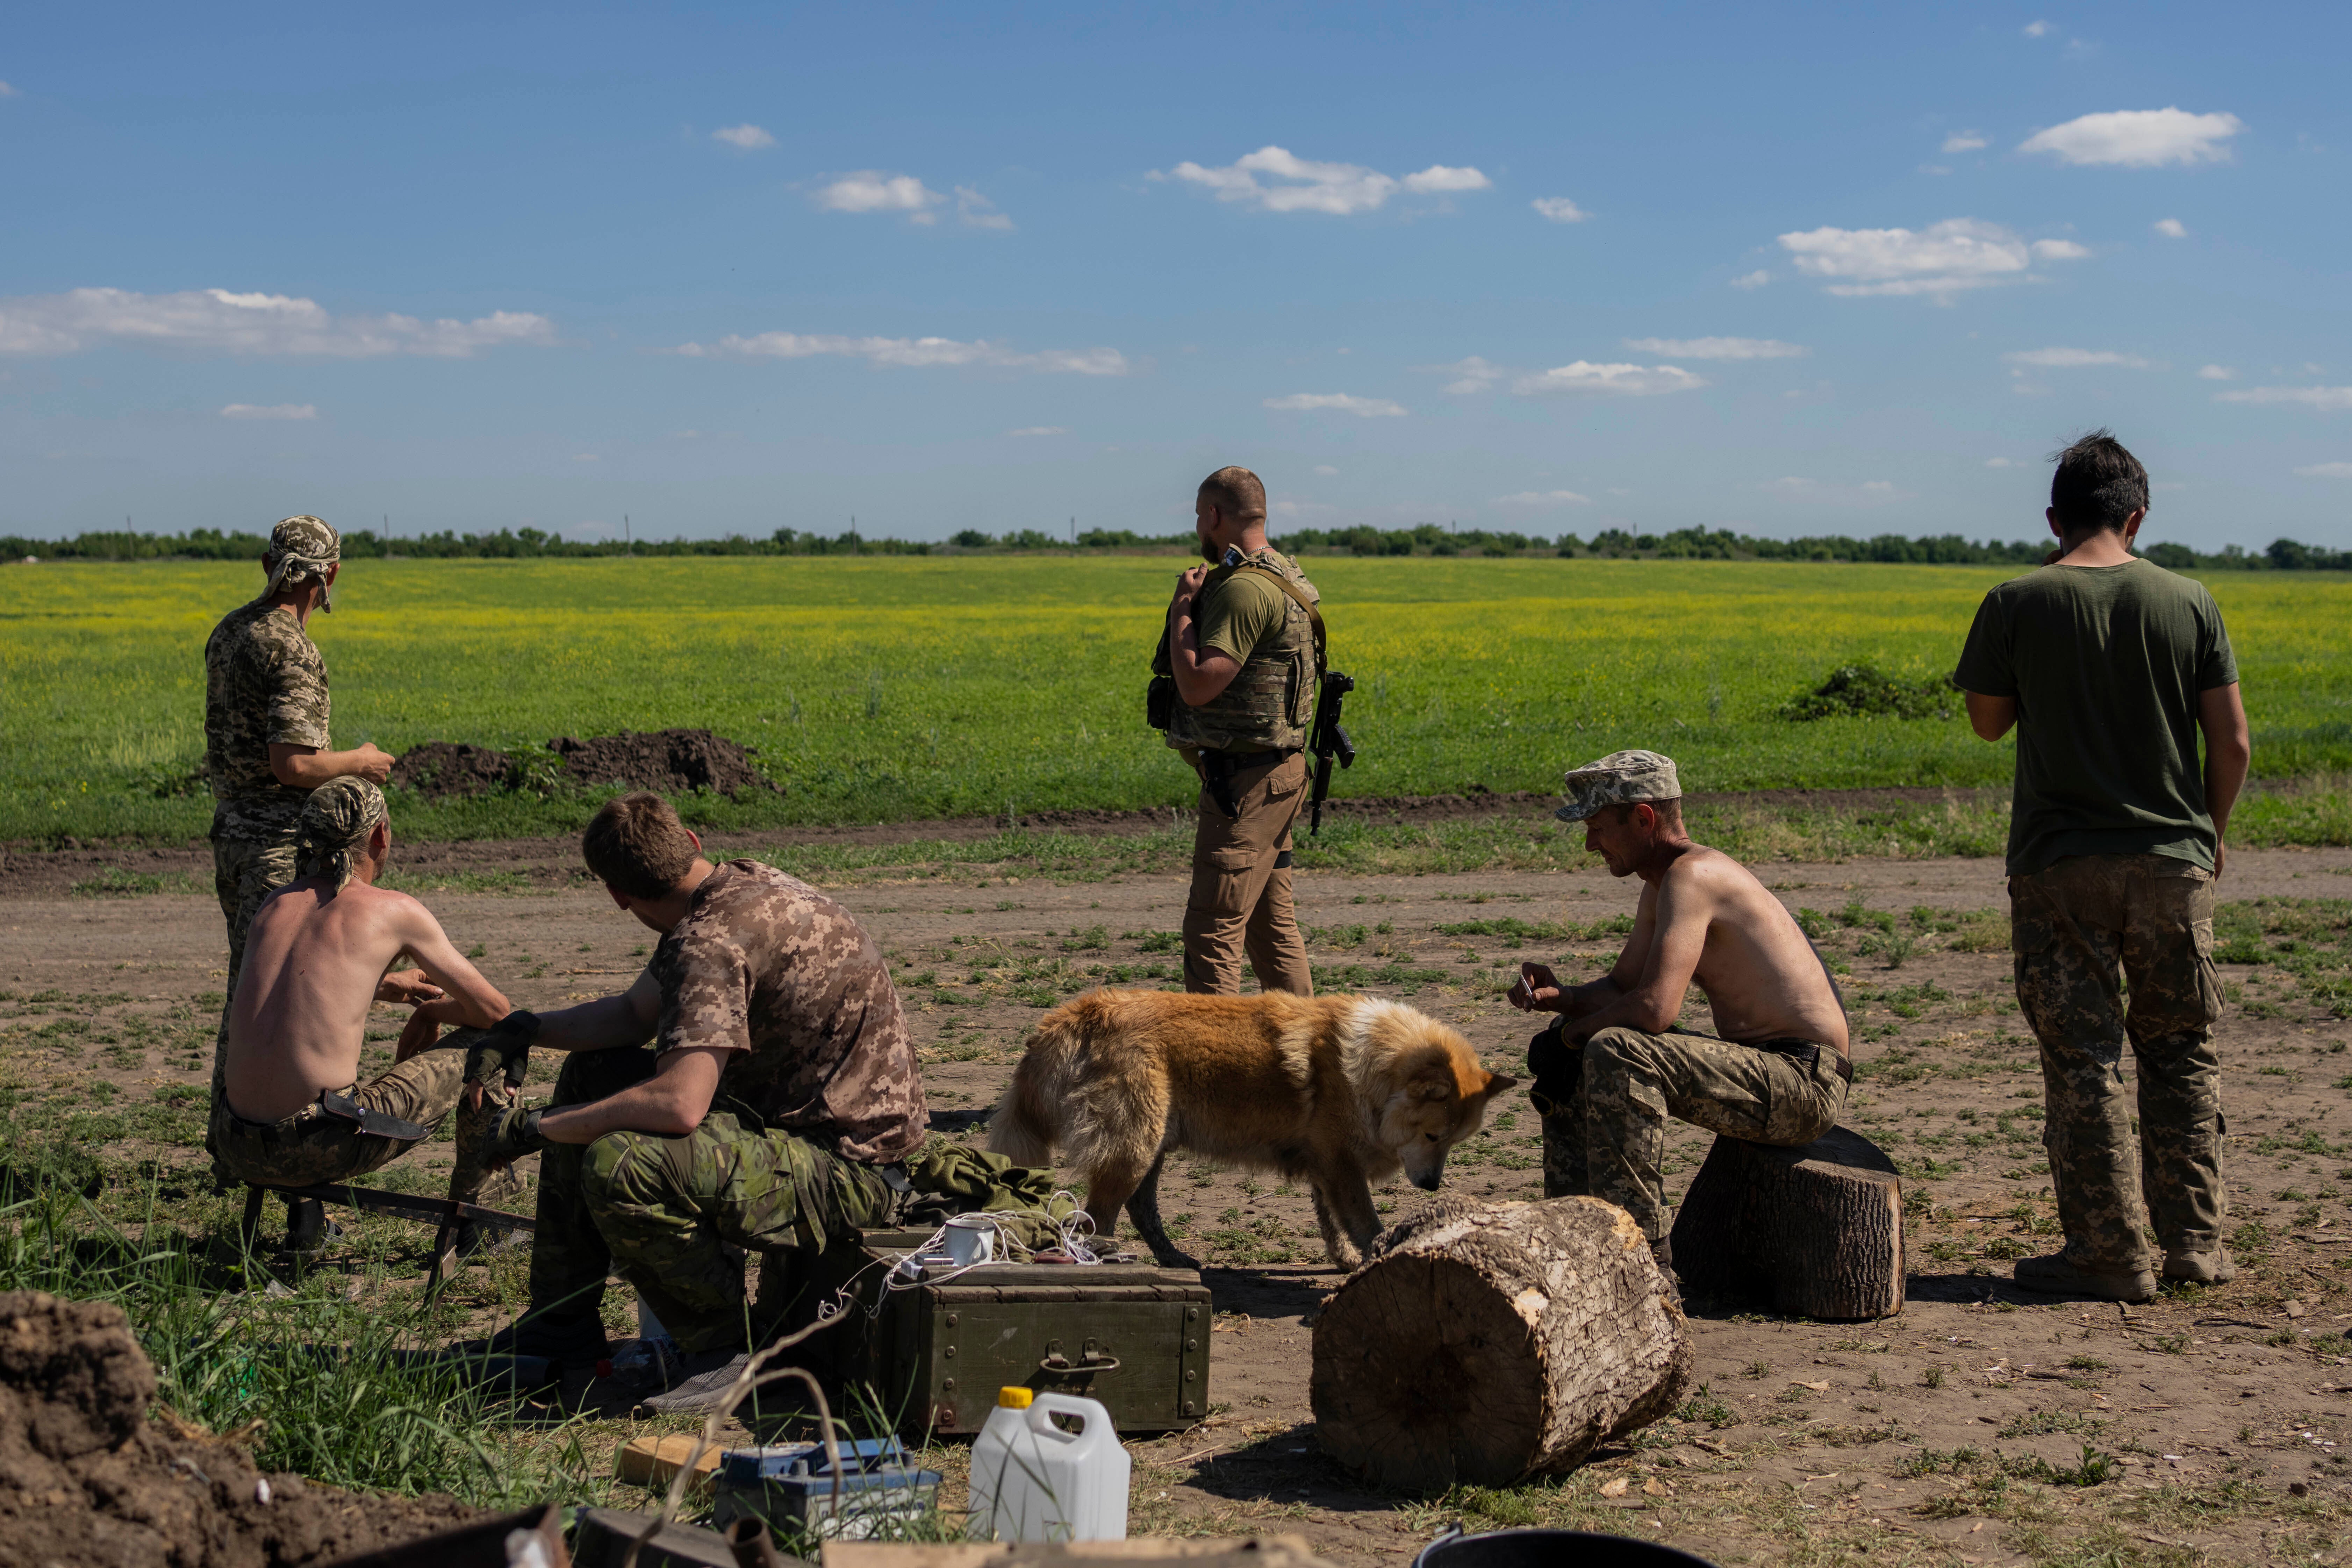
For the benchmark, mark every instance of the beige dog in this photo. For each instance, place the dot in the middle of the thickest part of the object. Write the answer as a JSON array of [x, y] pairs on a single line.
[[1341, 1091]]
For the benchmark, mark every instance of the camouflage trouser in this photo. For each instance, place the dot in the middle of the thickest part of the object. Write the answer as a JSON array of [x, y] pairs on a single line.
[[247, 867], [1608, 1138], [1239, 904], [2081, 930], [670, 1212], [311, 1146]]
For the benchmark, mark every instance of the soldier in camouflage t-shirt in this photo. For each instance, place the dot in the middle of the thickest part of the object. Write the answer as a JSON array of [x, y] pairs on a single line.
[[779, 1089], [265, 730]]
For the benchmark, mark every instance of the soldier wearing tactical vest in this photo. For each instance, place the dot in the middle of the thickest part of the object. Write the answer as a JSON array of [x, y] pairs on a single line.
[[1243, 650]]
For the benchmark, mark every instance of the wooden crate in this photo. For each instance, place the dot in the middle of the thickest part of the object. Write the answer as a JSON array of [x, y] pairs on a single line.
[[932, 1356]]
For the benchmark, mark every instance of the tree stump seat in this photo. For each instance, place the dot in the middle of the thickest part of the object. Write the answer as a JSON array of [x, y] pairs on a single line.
[[1810, 1232]]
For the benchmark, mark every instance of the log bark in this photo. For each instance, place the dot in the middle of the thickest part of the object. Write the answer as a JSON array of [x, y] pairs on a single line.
[[1811, 1232], [1487, 1342]]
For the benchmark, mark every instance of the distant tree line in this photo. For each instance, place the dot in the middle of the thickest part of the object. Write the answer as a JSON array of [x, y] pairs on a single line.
[[1426, 539]]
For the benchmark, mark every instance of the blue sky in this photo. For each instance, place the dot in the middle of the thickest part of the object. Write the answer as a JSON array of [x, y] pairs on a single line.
[[1851, 269]]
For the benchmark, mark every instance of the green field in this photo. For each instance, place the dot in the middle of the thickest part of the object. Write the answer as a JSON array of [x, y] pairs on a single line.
[[881, 689]]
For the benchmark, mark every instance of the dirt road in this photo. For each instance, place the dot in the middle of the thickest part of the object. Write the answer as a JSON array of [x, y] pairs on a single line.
[[1806, 1432]]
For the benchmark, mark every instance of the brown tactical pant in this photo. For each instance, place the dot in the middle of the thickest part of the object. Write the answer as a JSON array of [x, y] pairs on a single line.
[[1241, 885], [2080, 931], [312, 1146]]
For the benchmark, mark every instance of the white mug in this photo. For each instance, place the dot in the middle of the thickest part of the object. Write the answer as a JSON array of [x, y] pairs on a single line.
[[971, 1239]]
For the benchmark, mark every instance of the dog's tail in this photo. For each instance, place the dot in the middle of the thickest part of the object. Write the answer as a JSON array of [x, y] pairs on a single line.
[[1028, 1120]]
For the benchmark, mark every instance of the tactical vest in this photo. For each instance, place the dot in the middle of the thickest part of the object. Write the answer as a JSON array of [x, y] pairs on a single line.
[[1270, 705]]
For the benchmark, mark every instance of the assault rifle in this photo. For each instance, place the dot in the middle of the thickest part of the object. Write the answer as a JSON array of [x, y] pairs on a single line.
[[1328, 741]]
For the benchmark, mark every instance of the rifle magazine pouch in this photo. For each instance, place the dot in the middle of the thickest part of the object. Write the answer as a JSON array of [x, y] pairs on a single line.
[[1160, 703]]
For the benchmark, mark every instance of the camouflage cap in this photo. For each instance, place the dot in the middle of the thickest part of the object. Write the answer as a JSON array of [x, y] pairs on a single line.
[[336, 822], [1620, 778], [302, 547]]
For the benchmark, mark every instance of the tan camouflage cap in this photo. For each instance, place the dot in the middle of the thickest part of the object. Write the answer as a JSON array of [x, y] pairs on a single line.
[[1620, 778], [336, 822], [302, 547]]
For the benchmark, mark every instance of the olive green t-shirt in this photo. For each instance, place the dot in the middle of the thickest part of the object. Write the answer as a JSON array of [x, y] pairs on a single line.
[[2105, 663], [1237, 614]]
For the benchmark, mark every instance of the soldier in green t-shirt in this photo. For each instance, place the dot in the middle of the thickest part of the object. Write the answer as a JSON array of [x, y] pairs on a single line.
[[1243, 646], [2109, 665]]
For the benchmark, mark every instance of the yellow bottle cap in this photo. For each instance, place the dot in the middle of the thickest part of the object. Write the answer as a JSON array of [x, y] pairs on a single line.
[[1010, 1398]]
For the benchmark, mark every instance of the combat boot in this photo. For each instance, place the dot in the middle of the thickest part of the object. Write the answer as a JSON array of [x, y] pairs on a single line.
[[2057, 1275], [307, 1228], [570, 1338], [2214, 1268]]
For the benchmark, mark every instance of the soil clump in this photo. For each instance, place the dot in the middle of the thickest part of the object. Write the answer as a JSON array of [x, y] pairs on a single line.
[[671, 761], [86, 1478], [439, 769]]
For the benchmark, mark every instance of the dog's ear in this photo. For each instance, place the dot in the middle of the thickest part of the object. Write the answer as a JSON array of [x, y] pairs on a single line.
[[1497, 1082]]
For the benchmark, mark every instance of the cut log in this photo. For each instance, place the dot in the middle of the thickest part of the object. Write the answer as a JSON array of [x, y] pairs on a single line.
[[1484, 1343], [1810, 1232]]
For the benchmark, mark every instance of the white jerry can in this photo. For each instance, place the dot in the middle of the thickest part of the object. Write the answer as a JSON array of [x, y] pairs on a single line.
[[1035, 1479]]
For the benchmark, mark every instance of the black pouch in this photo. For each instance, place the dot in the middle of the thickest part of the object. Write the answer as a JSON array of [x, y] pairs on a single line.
[[1160, 703], [1556, 1069]]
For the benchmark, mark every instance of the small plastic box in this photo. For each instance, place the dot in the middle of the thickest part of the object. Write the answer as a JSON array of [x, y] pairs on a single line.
[[790, 1486]]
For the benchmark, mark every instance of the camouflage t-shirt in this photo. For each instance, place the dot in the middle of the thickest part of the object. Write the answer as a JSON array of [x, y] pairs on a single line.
[[264, 684], [765, 966]]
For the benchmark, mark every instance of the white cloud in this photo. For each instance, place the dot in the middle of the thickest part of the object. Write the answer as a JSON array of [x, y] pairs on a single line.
[[872, 190], [270, 411], [1473, 375], [220, 321], [1438, 178], [2036, 30], [2139, 138], [1627, 380], [2171, 227], [1964, 141], [1327, 470], [2076, 359], [6, 91], [907, 353], [1998, 463], [1718, 348], [976, 211], [1544, 499], [1559, 209], [1300, 184], [1040, 430], [2310, 396], [743, 138], [1941, 260], [1363, 407], [2325, 471], [1870, 492], [2216, 373], [1756, 279]]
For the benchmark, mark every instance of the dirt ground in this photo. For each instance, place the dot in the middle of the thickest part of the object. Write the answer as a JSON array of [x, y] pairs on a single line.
[[1946, 1434]]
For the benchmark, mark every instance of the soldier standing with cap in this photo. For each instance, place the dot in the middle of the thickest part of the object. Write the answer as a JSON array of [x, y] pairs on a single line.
[[1242, 651], [265, 712], [1614, 1067]]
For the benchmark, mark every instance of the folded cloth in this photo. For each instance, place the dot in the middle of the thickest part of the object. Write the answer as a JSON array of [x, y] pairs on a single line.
[[952, 1178]]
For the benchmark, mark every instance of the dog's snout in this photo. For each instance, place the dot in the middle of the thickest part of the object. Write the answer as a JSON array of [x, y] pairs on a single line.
[[1428, 1183]]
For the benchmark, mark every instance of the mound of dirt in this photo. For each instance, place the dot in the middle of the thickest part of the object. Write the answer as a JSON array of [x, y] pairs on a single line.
[[671, 761], [86, 1478], [440, 768]]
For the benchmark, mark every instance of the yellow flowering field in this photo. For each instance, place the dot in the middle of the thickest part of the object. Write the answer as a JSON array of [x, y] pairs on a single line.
[[886, 687]]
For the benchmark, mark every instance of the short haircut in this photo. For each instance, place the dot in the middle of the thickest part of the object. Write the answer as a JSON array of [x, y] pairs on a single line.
[[1670, 811], [2099, 484], [635, 844], [1236, 492]]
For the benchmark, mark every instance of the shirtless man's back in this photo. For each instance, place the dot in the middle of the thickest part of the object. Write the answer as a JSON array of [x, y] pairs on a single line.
[[1613, 1068], [318, 955]]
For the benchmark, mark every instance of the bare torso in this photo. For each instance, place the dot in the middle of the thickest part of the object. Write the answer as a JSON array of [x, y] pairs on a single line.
[[312, 960], [1763, 978]]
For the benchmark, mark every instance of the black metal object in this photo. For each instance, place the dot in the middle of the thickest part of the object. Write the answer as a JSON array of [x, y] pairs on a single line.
[[1550, 1549], [1329, 743], [533, 1537]]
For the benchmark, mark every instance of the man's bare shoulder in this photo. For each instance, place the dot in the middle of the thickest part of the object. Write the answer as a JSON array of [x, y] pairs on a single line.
[[1701, 869]]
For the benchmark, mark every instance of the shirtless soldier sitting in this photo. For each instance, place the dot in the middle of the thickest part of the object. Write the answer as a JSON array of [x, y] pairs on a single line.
[[755, 1090], [1614, 1068], [315, 958]]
